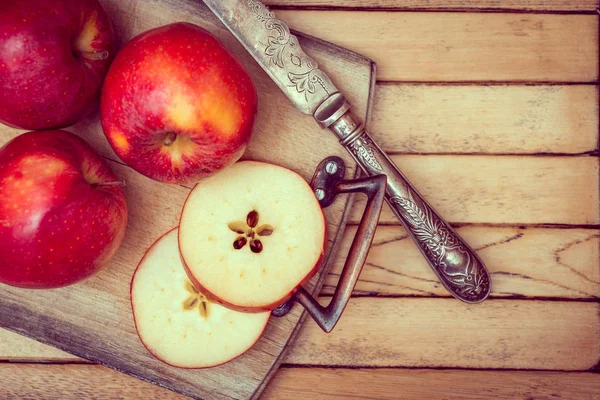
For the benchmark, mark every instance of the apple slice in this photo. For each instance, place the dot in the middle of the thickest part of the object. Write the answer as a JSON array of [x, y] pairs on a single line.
[[176, 323], [250, 235]]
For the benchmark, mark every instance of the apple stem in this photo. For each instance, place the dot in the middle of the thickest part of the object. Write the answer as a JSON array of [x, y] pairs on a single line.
[[94, 55], [115, 183]]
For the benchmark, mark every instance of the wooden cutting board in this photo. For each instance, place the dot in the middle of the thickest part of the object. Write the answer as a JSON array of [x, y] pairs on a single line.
[[93, 319]]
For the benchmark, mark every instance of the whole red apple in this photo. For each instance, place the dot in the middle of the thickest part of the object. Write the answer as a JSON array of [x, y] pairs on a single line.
[[54, 55], [62, 212], [176, 105]]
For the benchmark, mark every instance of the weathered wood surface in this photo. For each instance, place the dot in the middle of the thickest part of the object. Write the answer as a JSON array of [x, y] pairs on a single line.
[[57, 382], [503, 189], [433, 332], [384, 384], [407, 332], [415, 46], [93, 319], [496, 119], [523, 262]]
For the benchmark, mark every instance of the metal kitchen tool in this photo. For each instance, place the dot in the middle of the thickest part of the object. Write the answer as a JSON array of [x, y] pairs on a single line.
[[327, 183], [278, 52]]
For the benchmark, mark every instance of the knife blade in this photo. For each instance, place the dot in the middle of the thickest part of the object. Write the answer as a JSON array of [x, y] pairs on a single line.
[[278, 52]]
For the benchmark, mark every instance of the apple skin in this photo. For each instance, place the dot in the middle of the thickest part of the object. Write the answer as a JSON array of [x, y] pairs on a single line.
[[54, 55], [193, 282], [62, 217], [176, 105]]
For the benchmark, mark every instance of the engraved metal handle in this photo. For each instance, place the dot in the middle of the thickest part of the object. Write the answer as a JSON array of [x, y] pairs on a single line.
[[457, 266]]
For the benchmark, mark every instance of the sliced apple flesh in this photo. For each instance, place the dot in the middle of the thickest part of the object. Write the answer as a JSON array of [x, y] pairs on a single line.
[[177, 323], [250, 235]]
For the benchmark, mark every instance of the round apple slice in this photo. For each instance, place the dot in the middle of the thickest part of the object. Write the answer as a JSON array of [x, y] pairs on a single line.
[[250, 235], [175, 321]]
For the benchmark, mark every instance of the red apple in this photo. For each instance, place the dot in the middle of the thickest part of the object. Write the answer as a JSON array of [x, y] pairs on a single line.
[[53, 58], [251, 234], [176, 105], [177, 323], [62, 212]]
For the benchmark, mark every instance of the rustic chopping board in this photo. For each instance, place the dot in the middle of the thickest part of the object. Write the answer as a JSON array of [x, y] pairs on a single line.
[[93, 319]]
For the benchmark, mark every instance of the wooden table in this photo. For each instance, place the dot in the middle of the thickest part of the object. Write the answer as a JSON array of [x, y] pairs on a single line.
[[491, 108]]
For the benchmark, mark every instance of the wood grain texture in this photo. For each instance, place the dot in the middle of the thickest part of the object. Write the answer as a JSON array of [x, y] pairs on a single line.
[[502, 190], [435, 47], [383, 384], [474, 5], [15, 347], [441, 333], [523, 262], [501, 119], [66, 382], [93, 319], [444, 333]]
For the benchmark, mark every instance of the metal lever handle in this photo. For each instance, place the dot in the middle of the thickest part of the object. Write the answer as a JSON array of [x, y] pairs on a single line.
[[457, 266], [374, 187], [327, 183]]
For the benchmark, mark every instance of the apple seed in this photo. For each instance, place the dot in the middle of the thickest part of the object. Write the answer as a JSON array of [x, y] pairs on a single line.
[[203, 309], [256, 246], [252, 219], [249, 232], [238, 226], [264, 230], [195, 298], [190, 302], [191, 288], [239, 242]]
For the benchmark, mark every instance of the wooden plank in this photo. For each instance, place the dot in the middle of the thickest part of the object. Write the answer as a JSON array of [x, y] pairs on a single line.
[[416, 46], [504, 119], [417, 332], [409, 332], [528, 262], [502, 190], [14, 347], [64, 382], [383, 384], [479, 5]]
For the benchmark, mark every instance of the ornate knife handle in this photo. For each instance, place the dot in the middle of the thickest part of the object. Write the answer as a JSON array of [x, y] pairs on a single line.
[[457, 266]]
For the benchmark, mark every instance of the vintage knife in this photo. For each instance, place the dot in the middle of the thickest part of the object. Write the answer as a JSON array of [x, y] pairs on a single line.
[[277, 51]]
